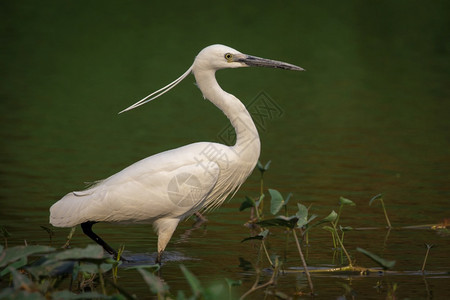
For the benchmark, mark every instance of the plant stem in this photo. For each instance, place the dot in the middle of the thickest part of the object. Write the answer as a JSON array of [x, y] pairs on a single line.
[[338, 214], [267, 253], [342, 245], [426, 257], [305, 267], [262, 184], [261, 197], [334, 240], [102, 281], [385, 213]]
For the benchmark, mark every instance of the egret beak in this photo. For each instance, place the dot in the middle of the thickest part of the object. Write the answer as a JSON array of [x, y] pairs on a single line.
[[253, 61]]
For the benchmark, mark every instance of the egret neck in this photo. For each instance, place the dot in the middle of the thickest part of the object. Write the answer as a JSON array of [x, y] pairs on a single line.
[[247, 144]]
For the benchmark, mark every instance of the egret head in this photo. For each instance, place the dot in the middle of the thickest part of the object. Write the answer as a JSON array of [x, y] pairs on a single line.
[[216, 57], [213, 58]]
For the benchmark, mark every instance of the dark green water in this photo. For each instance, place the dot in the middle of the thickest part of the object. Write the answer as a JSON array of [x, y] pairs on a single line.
[[370, 115]]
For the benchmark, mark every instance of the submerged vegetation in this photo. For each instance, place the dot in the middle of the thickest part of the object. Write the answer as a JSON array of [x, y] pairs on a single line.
[[44, 272]]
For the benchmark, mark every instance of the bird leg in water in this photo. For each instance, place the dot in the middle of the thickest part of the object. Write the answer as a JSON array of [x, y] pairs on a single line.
[[158, 258], [87, 229]]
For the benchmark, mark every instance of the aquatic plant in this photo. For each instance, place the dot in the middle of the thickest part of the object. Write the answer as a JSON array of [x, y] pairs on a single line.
[[380, 198], [428, 246], [4, 233]]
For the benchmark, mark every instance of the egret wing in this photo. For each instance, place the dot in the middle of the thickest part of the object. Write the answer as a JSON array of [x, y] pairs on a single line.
[[171, 184]]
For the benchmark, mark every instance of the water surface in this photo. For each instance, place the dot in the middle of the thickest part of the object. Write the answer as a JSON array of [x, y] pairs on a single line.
[[370, 115]]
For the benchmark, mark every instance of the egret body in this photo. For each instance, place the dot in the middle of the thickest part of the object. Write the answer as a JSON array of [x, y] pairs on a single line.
[[165, 188]]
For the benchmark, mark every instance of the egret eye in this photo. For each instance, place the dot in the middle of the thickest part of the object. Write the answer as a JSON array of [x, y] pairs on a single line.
[[228, 57]]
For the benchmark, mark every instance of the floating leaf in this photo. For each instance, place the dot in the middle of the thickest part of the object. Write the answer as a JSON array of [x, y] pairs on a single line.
[[379, 196], [155, 283], [193, 281], [281, 221], [345, 201], [276, 201], [260, 236], [385, 264], [248, 203]]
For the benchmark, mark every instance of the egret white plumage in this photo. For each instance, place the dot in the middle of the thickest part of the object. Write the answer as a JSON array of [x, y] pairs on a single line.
[[165, 188]]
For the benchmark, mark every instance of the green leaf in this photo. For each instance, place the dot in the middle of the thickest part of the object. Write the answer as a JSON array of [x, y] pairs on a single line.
[[276, 201], [379, 196], [262, 168], [248, 203], [19, 252], [328, 228], [330, 218], [193, 281], [260, 236], [23, 261], [385, 264], [280, 221], [345, 228], [302, 215], [155, 283], [312, 218], [345, 201], [91, 252]]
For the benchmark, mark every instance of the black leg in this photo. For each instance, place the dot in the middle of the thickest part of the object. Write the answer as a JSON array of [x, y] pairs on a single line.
[[87, 229], [159, 258]]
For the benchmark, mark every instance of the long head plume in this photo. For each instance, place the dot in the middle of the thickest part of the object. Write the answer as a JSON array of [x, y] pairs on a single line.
[[159, 92]]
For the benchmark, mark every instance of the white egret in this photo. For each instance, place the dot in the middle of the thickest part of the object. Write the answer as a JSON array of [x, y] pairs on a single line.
[[165, 188]]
